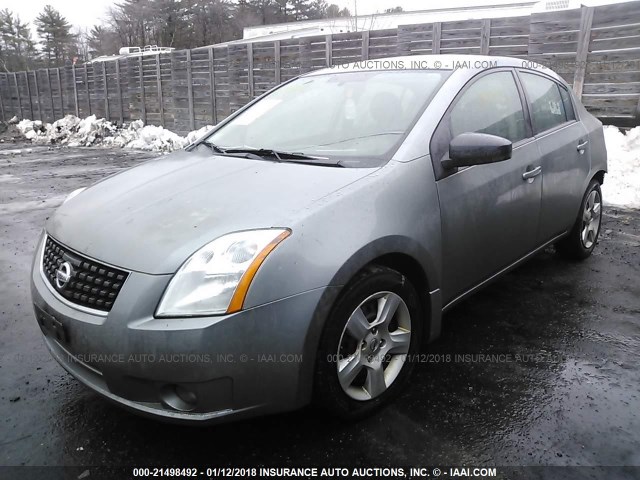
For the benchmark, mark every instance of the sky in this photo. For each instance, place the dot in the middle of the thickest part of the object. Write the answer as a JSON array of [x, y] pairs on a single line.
[[86, 13]]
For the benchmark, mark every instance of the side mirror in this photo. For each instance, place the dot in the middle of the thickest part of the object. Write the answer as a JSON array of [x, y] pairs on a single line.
[[476, 149]]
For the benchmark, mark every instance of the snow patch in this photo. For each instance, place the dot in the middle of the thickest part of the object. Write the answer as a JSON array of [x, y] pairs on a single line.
[[622, 182], [10, 152], [76, 132], [149, 137]]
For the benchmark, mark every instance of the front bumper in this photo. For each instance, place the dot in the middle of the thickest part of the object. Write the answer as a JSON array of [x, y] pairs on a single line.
[[189, 370]]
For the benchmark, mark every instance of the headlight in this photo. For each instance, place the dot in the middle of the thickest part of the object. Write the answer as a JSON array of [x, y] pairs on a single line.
[[215, 279], [73, 194]]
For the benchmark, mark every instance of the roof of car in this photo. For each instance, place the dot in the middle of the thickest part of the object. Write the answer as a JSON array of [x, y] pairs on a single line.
[[436, 62]]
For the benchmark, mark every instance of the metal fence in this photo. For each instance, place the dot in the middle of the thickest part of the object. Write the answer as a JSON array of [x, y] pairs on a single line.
[[596, 49]]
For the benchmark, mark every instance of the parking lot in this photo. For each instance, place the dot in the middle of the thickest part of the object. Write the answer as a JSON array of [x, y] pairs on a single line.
[[540, 368]]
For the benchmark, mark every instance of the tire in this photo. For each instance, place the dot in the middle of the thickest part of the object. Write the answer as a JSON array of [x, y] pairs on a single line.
[[583, 237], [371, 355]]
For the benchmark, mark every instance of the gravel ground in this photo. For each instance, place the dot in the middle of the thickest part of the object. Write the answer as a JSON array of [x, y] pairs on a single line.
[[564, 389]]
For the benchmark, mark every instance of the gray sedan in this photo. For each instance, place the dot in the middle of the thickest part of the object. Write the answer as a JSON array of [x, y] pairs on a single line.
[[306, 248]]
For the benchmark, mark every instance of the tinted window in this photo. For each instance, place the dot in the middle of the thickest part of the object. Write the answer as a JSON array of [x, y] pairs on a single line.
[[547, 108], [490, 105], [568, 106]]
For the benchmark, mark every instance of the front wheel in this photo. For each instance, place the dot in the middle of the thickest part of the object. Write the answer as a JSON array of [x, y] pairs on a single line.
[[582, 239], [364, 354]]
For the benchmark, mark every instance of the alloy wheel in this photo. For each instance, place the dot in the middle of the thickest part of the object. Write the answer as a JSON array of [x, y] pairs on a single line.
[[374, 345], [591, 219]]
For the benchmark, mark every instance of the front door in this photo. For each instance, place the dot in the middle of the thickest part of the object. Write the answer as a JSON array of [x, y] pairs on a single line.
[[489, 213]]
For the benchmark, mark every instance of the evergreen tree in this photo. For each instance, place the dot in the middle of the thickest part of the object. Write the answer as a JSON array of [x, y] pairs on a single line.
[[17, 49], [264, 12], [334, 11], [307, 10], [102, 41], [55, 35]]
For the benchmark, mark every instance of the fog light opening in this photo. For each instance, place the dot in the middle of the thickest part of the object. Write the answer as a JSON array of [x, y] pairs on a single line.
[[178, 397]]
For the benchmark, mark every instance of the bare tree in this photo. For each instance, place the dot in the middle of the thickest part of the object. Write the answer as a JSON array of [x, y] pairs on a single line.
[[81, 44]]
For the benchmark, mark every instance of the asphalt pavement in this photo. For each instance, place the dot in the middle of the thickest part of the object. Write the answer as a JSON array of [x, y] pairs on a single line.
[[540, 368]]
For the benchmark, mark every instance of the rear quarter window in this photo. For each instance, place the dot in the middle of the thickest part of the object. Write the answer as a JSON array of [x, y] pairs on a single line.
[[568, 106]]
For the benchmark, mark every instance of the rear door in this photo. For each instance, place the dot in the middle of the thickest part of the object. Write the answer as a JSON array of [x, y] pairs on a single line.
[[489, 213], [564, 148]]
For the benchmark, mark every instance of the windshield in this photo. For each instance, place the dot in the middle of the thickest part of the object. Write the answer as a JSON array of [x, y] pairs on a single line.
[[357, 117]]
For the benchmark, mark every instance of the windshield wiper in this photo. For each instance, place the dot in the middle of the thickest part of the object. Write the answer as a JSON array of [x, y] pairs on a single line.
[[215, 148], [282, 156]]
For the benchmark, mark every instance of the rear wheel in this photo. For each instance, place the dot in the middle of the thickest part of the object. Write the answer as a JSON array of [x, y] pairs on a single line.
[[374, 326], [583, 237]]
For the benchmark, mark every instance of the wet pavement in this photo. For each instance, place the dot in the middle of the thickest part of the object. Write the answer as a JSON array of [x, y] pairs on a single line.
[[540, 368]]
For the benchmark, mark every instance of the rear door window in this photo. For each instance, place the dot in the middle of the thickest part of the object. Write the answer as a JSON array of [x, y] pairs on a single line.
[[547, 106]]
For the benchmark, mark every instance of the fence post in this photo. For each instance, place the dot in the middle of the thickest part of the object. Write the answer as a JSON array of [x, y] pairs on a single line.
[[35, 77], [212, 85], [143, 105], [26, 80], [485, 36], [435, 41], [328, 49], [278, 62], [159, 85], [75, 89], [53, 108], [86, 87], [60, 90], [107, 113], [10, 108], [15, 79], [119, 91], [584, 36], [2, 99], [365, 45], [250, 69], [192, 118]]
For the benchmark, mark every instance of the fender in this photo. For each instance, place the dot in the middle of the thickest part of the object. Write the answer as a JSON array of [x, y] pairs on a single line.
[[377, 251]]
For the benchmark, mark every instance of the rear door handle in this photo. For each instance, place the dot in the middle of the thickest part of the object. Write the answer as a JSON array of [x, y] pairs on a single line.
[[581, 146], [530, 174]]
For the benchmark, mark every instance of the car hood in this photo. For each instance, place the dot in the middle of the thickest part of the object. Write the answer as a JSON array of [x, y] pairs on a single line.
[[152, 217]]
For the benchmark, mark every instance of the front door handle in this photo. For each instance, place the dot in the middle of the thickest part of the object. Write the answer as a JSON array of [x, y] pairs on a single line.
[[530, 174], [581, 146]]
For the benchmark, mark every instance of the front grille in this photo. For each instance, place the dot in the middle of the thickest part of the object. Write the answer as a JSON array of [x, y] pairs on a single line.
[[91, 284]]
